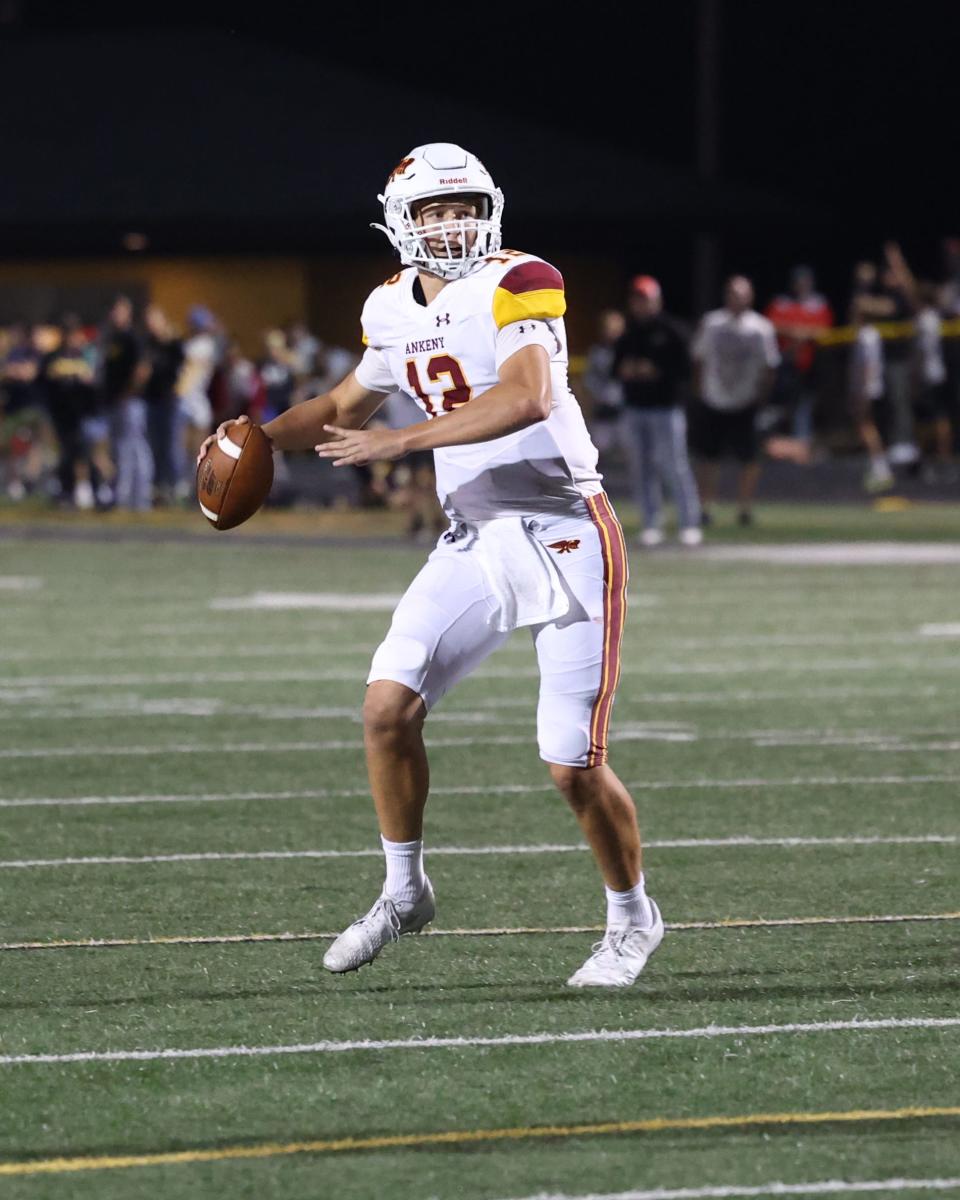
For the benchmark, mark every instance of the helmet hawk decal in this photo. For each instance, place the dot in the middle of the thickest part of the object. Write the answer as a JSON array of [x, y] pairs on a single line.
[[400, 168]]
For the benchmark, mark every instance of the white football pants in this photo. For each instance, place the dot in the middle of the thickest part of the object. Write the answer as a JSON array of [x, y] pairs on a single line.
[[441, 631]]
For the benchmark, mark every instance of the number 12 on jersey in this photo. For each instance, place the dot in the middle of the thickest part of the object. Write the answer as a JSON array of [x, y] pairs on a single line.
[[441, 364]]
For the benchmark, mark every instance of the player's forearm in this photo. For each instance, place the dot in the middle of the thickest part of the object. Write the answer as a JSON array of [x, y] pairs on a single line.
[[301, 427], [505, 408]]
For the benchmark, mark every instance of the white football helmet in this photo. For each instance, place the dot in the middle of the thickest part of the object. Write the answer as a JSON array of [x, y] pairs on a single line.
[[436, 170]]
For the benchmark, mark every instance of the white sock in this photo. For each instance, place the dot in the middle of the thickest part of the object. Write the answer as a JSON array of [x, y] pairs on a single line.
[[629, 908], [405, 877]]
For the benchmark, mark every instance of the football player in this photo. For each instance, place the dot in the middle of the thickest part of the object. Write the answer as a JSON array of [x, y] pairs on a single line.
[[475, 335]]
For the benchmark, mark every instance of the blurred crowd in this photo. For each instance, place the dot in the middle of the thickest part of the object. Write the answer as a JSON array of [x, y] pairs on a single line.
[[111, 415], [789, 382]]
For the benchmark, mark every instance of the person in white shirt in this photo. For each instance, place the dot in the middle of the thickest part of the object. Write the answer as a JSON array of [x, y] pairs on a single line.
[[866, 388], [735, 356], [931, 391], [474, 334]]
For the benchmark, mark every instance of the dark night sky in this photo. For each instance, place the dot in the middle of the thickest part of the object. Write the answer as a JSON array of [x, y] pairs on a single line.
[[831, 104]]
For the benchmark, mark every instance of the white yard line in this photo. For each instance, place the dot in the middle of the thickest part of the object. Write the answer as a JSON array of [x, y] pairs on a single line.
[[301, 649], [738, 842], [339, 602], [627, 696], [20, 583], [739, 667], [164, 750], [644, 785], [822, 1187], [206, 708], [450, 1043], [844, 554], [191, 652], [874, 742]]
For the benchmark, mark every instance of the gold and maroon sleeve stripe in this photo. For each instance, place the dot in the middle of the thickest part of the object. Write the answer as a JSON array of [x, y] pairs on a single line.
[[530, 291], [615, 574]]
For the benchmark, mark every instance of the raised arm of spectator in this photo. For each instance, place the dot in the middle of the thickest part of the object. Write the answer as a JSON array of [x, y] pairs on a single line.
[[900, 269]]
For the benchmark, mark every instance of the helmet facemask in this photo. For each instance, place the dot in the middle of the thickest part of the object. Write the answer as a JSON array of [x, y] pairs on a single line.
[[454, 257]]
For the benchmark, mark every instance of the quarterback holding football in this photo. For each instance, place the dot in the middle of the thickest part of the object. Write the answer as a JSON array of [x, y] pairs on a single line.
[[475, 335]]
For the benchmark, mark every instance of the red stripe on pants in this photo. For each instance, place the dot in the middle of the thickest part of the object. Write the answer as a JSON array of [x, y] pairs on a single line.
[[615, 574]]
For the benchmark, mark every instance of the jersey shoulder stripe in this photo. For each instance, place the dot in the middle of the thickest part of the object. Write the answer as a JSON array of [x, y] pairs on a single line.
[[528, 291]]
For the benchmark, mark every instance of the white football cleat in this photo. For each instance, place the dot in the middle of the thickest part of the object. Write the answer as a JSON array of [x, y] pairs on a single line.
[[619, 958], [692, 535], [362, 941], [651, 537]]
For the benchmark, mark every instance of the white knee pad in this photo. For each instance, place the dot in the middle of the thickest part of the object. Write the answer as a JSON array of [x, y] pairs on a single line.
[[400, 658], [563, 735]]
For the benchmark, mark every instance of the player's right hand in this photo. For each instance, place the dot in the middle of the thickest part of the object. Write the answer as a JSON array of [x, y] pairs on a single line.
[[215, 437]]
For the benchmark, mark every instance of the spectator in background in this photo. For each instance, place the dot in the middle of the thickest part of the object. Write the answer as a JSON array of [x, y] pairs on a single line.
[[799, 316], [605, 391], [277, 374], [164, 352], [890, 297], [201, 354], [735, 355], [865, 389], [68, 377], [125, 370], [652, 363], [279, 381], [244, 387], [24, 429], [950, 305], [302, 348], [331, 364], [931, 388]]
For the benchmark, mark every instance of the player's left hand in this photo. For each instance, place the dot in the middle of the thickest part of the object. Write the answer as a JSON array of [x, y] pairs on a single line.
[[356, 447]]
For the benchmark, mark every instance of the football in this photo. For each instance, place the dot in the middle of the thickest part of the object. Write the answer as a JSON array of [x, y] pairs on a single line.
[[235, 476]]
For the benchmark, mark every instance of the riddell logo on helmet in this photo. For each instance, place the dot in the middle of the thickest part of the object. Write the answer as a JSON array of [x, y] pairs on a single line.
[[456, 179]]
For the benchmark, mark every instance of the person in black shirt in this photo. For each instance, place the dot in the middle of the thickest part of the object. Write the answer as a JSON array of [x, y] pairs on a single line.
[[164, 354], [125, 371], [652, 362], [67, 377]]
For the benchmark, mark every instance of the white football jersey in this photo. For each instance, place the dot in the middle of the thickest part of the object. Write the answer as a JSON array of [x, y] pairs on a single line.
[[450, 351]]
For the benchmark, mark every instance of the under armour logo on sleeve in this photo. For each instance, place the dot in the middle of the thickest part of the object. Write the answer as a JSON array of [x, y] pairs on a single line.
[[443, 319]]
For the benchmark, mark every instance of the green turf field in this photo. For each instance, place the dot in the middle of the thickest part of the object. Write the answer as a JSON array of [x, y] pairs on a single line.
[[178, 770]]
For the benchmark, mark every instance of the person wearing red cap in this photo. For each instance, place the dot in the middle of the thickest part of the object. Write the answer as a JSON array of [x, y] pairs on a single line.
[[652, 363]]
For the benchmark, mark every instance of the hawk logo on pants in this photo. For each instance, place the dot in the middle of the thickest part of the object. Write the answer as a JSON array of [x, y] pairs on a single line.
[[565, 546]]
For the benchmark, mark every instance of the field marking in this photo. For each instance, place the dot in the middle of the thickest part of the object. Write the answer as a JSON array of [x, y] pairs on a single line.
[[328, 935], [452, 1137], [16, 691], [823, 1187], [648, 785], [881, 743], [301, 601], [489, 1041], [355, 676], [303, 649], [844, 554], [741, 841], [203, 707], [241, 748], [338, 602], [20, 583]]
